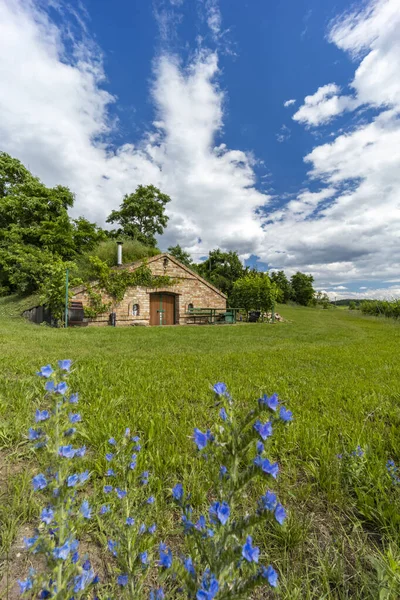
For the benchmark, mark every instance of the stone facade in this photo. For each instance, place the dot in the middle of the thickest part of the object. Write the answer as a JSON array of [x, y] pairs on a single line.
[[188, 289]]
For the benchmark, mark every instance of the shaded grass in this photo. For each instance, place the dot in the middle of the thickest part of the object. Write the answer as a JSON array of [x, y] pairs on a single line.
[[336, 370]]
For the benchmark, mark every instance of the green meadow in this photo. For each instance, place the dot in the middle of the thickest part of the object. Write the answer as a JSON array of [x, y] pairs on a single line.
[[338, 371]]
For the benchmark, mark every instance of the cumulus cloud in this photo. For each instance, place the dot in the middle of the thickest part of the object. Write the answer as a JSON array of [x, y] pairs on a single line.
[[54, 117], [289, 103]]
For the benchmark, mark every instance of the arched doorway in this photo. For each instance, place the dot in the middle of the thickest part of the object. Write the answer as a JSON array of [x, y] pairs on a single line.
[[162, 308]]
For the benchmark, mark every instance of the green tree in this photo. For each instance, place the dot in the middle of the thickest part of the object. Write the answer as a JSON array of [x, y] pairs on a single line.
[[283, 284], [35, 229], [178, 253], [254, 291], [222, 269], [141, 215], [302, 288]]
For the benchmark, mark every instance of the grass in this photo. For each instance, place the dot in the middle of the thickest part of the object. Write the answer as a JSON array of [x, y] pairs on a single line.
[[336, 370]]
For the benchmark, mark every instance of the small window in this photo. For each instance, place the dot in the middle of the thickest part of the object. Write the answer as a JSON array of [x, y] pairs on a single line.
[[135, 310], [190, 307]]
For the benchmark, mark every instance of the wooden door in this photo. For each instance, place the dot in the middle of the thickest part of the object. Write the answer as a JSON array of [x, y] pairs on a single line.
[[162, 304]]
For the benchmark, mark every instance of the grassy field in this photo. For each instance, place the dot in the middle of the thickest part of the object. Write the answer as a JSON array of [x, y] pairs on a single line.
[[336, 370]]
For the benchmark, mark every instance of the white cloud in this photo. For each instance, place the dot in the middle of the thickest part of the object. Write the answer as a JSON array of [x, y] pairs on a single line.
[[54, 114], [372, 35], [214, 18], [289, 103], [284, 134]]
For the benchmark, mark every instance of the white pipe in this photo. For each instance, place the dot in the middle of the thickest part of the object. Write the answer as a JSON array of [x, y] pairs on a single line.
[[119, 254]]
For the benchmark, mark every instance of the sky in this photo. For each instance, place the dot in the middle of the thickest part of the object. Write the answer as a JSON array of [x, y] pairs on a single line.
[[273, 126]]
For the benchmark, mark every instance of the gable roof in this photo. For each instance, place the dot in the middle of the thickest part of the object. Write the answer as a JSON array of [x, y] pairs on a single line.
[[137, 264]]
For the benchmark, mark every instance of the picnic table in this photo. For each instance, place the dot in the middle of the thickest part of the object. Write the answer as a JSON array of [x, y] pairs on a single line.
[[211, 316]]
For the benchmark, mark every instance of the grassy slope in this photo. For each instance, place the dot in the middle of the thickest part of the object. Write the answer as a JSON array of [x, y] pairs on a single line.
[[337, 371]]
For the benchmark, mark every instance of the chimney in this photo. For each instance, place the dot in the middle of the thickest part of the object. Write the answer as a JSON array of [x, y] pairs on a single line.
[[119, 253]]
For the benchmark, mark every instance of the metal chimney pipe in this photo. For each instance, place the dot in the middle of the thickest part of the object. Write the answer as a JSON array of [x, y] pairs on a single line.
[[119, 253]]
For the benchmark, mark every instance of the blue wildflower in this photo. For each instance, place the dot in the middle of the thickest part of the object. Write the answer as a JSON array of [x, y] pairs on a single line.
[[177, 492], [271, 402], [138, 447], [129, 521], [44, 594], [75, 418], [111, 545], [65, 365], [107, 489], [86, 511], [209, 587], [188, 564], [280, 513], [285, 415], [61, 388], [63, 551], [157, 595], [34, 434], [143, 557], [259, 447], [223, 414], [165, 556], [110, 473], [72, 480], [45, 371], [145, 478], [41, 415], [25, 586], [39, 482], [269, 501], [30, 542], [264, 429], [249, 552], [267, 466], [82, 581], [150, 500], [270, 575], [70, 431], [80, 452], [112, 442], [122, 580], [104, 509], [201, 523], [109, 456], [221, 511], [152, 529], [66, 451], [142, 528], [222, 471], [73, 399], [201, 439], [49, 386], [187, 524], [133, 461], [220, 389], [47, 515], [135, 439], [84, 476], [120, 493], [127, 432]]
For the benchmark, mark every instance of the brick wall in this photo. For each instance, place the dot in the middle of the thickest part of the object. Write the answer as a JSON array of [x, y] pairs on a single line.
[[187, 287]]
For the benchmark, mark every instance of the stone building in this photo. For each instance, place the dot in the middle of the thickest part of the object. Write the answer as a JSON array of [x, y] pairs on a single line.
[[170, 305]]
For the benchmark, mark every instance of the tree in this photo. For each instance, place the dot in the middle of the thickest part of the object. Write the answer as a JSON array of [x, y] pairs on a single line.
[[178, 253], [283, 285], [222, 269], [254, 291], [302, 288], [141, 215], [35, 229]]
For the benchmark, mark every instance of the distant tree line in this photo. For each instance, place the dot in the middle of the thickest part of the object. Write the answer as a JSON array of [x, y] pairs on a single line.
[[381, 308], [39, 240]]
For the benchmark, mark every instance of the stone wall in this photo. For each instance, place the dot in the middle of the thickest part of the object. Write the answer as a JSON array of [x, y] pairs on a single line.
[[188, 289]]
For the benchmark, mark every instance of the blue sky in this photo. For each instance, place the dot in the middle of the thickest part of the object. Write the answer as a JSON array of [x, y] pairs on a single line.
[[190, 95]]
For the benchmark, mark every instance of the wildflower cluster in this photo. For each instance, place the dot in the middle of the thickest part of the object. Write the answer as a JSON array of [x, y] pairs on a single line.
[[393, 471], [223, 562], [126, 515], [67, 574]]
